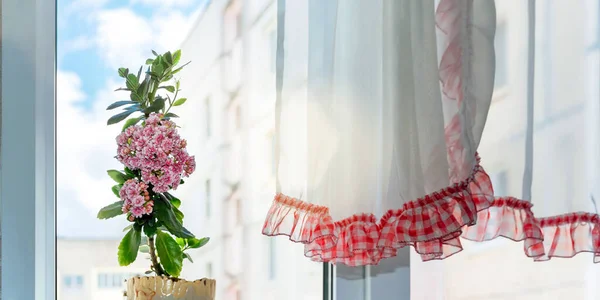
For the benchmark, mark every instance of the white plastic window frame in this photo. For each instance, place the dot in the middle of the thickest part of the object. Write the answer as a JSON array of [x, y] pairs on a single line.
[[28, 154]]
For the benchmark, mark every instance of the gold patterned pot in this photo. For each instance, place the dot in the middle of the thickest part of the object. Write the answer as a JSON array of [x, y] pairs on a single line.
[[164, 288]]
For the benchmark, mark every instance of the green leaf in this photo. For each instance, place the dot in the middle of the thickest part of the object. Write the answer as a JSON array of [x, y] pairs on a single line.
[[119, 103], [131, 122], [179, 101], [119, 117], [170, 254], [188, 257], [116, 189], [168, 57], [178, 214], [128, 227], [171, 115], [195, 243], [181, 242], [135, 97], [156, 106], [149, 61], [132, 82], [176, 202], [117, 176], [144, 249], [164, 212], [154, 52], [176, 57], [139, 73], [143, 88], [129, 173], [111, 211], [179, 69], [128, 249], [148, 272], [157, 66], [150, 229], [169, 88], [123, 72], [122, 89]]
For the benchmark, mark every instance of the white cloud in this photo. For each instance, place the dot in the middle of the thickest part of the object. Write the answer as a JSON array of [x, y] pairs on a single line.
[[85, 145], [164, 3], [125, 38]]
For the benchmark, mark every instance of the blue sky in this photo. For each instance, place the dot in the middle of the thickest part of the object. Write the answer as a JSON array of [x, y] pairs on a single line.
[[95, 37]]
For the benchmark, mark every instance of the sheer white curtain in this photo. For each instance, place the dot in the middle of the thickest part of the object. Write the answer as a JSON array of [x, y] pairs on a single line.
[[379, 116], [554, 138], [559, 219]]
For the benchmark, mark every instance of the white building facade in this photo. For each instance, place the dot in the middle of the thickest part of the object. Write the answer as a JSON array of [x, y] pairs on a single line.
[[229, 123]]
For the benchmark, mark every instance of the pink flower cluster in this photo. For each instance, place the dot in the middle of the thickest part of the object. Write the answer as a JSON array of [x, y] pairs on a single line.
[[137, 199], [157, 150]]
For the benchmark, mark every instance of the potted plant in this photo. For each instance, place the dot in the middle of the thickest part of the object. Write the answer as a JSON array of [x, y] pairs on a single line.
[[155, 160]]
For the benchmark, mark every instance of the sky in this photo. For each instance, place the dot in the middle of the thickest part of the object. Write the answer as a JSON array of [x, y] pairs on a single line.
[[95, 38]]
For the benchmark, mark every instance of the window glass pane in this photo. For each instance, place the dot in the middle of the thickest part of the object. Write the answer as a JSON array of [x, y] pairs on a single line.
[[566, 128], [228, 113], [350, 283], [391, 278]]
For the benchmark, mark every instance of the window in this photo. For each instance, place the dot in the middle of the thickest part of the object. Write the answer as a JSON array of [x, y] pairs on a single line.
[[207, 107], [78, 281], [112, 280], [272, 258], [207, 188], [117, 279], [102, 280], [500, 43], [68, 281]]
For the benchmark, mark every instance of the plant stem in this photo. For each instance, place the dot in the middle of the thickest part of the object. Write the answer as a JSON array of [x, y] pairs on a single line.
[[155, 265]]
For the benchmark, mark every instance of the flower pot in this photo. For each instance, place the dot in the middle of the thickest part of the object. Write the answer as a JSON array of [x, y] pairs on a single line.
[[164, 288]]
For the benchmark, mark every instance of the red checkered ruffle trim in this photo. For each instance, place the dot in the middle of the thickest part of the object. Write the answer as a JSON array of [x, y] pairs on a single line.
[[431, 224], [558, 236]]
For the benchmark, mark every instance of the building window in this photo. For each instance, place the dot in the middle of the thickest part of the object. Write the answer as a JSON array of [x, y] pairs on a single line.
[[113, 280], [208, 196], [501, 46], [500, 183], [209, 270], [68, 281], [78, 281], [271, 258], [208, 117], [102, 280]]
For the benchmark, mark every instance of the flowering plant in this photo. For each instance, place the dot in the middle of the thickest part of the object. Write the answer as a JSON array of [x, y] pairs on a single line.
[[155, 159]]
